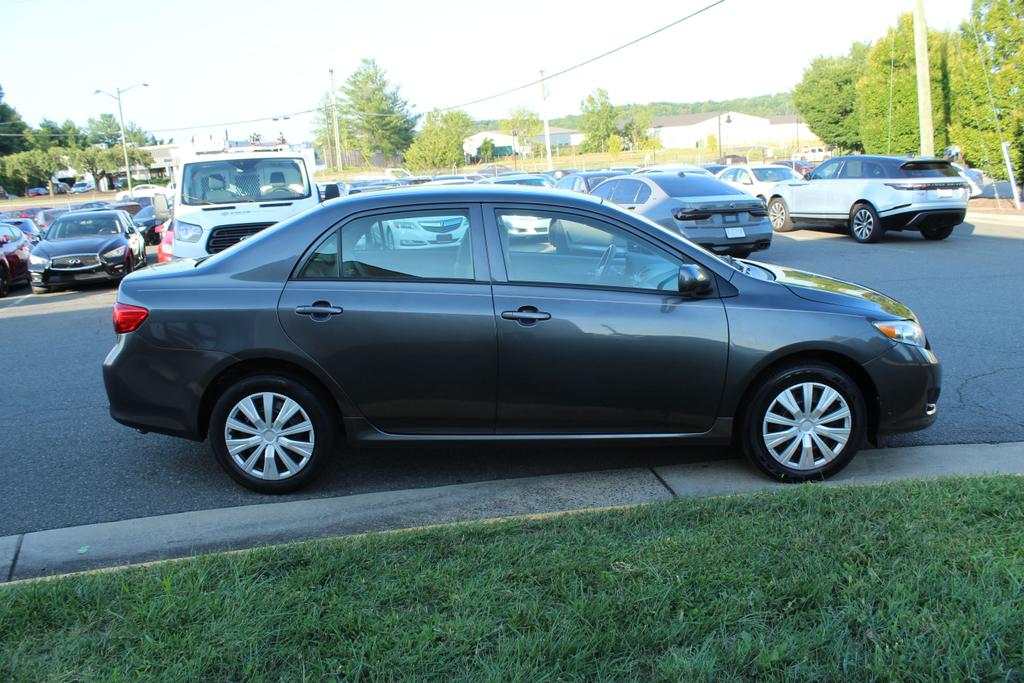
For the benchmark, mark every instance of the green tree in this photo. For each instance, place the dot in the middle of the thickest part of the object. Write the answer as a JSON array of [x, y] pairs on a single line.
[[597, 121], [13, 127], [486, 150], [96, 161], [439, 143], [896, 51], [522, 124], [826, 97], [377, 118], [104, 131], [637, 130], [33, 167]]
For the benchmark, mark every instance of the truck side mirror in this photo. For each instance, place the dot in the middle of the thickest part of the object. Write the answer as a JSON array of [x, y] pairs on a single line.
[[160, 209]]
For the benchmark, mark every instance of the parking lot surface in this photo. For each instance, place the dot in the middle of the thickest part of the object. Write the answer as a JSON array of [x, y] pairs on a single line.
[[67, 463]]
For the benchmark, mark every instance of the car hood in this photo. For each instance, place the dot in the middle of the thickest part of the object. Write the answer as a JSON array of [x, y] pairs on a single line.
[[829, 290], [81, 245]]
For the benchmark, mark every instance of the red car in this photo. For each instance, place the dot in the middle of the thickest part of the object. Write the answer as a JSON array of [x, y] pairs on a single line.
[[165, 252], [14, 254]]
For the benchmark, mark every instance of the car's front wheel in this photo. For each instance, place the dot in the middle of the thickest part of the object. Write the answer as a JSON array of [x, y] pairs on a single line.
[[778, 215], [935, 233], [271, 434], [865, 227], [805, 421]]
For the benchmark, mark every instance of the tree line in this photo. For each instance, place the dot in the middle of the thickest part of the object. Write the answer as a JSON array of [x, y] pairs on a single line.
[[866, 100], [30, 156]]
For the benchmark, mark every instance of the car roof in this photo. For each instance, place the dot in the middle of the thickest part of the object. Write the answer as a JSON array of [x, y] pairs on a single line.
[[475, 193], [93, 212]]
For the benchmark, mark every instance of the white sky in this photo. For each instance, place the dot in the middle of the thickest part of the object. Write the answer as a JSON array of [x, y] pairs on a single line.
[[211, 61]]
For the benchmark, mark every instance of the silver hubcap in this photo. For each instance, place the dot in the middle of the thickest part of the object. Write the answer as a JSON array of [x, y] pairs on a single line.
[[807, 426], [863, 224], [777, 214], [269, 436]]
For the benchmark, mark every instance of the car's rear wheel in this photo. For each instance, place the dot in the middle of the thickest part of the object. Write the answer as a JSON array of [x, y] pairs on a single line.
[[936, 233], [805, 421], [778, 215], [865, 227], [271, 434]]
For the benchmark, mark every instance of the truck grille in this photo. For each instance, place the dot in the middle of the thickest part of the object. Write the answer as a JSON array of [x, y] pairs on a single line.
[[223, 237]]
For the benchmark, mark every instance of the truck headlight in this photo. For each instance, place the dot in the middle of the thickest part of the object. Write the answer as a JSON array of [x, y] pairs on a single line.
[[187, 232], [903, 331]]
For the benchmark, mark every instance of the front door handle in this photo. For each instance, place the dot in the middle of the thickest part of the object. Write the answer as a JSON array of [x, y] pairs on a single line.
[[526, 315], [319, 310]]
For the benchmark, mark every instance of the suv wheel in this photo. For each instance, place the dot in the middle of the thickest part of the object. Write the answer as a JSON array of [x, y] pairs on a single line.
[[271, 434], [942, 233], [865, 227], [806, 421], [778, 215]]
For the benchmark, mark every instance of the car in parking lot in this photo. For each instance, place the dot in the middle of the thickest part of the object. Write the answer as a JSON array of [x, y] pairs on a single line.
[[585, 181], [673, 168], [83, 186], [15, 251], [612, 328], [533, 179], [757, 179], [707, 211], [798, 165], [86, 246], [27, 226], [147, 221], [44, 217], [871, 194]]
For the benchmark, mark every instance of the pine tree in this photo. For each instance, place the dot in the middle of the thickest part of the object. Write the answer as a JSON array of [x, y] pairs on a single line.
[[377, 117]]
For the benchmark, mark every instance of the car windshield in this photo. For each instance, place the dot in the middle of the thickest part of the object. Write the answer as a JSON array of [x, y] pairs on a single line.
[[694, 186], [234, 181], [776, 174], [83, 226]]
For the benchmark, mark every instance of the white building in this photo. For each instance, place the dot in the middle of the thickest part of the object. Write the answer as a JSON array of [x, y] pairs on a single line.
[[736, 129], [562, 137], [471, 144]]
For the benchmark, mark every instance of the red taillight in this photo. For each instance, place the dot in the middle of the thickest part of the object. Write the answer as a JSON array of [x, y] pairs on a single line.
[[127, 318]]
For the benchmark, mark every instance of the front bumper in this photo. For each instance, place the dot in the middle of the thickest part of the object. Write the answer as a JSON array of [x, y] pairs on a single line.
[[58, 277], [915, 219], [908, 380]]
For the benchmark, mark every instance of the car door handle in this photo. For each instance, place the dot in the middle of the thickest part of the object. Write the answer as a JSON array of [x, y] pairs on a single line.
[[526, 315], [319, 310]]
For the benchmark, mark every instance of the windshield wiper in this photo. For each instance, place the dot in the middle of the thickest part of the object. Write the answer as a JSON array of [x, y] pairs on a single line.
[[188, 199]]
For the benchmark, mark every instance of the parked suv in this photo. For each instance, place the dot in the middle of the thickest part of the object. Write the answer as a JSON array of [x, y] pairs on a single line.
[[872, 194]]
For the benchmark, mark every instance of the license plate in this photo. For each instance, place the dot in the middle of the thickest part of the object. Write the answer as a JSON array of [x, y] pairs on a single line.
[[945, 194], [735, 233]]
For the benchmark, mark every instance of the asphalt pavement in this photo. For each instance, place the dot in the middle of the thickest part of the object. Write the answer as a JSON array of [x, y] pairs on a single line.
[[67, 463]]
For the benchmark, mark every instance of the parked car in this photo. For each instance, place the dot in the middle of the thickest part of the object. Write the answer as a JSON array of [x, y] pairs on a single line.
[[37, 192], [617, 329], [27, 226], [165, 250], [714, 169], [4, 194], [86, 246], [700, 207], [585, 181], [975, 179], [139, 191], [61, 188], [147, 222], [44, 217], [801, 167], [535, 180], [757, 179], [83, 186], [15, 251], [673, 168], [871, 194]]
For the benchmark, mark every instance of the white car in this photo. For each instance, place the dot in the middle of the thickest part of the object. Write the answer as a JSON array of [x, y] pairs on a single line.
[[674, 168], [871, 194], [420, 233], [757, 179], [142, 191]]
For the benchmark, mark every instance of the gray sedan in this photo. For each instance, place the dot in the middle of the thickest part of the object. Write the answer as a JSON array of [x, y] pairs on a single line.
[[606, 328], [711, 213]]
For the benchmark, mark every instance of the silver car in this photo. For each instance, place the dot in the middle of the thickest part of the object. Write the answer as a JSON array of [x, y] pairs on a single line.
[[872, 194], [702, 208]]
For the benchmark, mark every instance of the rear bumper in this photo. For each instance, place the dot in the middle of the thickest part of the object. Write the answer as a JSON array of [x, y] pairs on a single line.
[[923, 218], [714, 238], [909, 380]]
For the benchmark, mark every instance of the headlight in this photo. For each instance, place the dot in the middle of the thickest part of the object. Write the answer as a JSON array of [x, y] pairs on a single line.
[[38, 260], [187, 232], [904, 331], [114, 253]]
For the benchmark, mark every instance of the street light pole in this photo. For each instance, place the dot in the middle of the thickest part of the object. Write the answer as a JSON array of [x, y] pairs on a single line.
[[124, 139], [334, 113]]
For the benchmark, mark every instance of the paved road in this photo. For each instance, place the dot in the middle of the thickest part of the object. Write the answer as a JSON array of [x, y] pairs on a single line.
[[66, 463]]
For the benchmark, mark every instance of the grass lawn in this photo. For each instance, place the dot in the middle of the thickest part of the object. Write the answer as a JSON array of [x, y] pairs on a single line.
[[910, 581]]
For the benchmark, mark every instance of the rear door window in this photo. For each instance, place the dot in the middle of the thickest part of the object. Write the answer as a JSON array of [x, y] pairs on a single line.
[[625, 192]]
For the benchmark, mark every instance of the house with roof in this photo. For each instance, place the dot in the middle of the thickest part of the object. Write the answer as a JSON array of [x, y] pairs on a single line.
[[735, 128]]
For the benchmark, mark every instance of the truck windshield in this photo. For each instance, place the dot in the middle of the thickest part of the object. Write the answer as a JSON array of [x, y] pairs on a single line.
[[233, 181]]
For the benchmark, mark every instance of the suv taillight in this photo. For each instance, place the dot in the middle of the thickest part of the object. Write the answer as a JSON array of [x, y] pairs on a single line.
[[909, 186], [127, 318]]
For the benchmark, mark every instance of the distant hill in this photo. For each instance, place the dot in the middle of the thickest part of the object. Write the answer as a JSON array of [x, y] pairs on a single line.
[[760, 105]]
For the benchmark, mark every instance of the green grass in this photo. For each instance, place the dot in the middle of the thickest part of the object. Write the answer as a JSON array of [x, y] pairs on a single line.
[[910, 581]]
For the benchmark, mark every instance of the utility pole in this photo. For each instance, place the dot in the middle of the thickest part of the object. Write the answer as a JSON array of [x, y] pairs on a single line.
[[544, 113], [924, 81], [124, 140], [334, 114]]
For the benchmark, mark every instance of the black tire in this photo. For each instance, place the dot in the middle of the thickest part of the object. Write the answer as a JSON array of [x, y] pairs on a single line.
[[934, 233], [865, 226], [764, 395], [778, 215], [39, 290], [316, 406], [5, 283]]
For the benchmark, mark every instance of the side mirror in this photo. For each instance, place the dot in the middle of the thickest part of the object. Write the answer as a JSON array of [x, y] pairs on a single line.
[[160, 209], [693, 281], [807, 175], [332, 191], [748, 181]]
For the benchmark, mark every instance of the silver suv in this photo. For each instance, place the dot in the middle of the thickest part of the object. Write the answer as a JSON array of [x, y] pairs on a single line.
[[872, 194]]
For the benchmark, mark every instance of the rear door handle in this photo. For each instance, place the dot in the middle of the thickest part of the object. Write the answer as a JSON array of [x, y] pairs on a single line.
[[319, 310], [527, 315]]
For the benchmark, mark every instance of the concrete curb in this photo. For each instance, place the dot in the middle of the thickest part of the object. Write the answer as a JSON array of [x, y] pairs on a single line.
[[1014, 220], [114, 544]]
